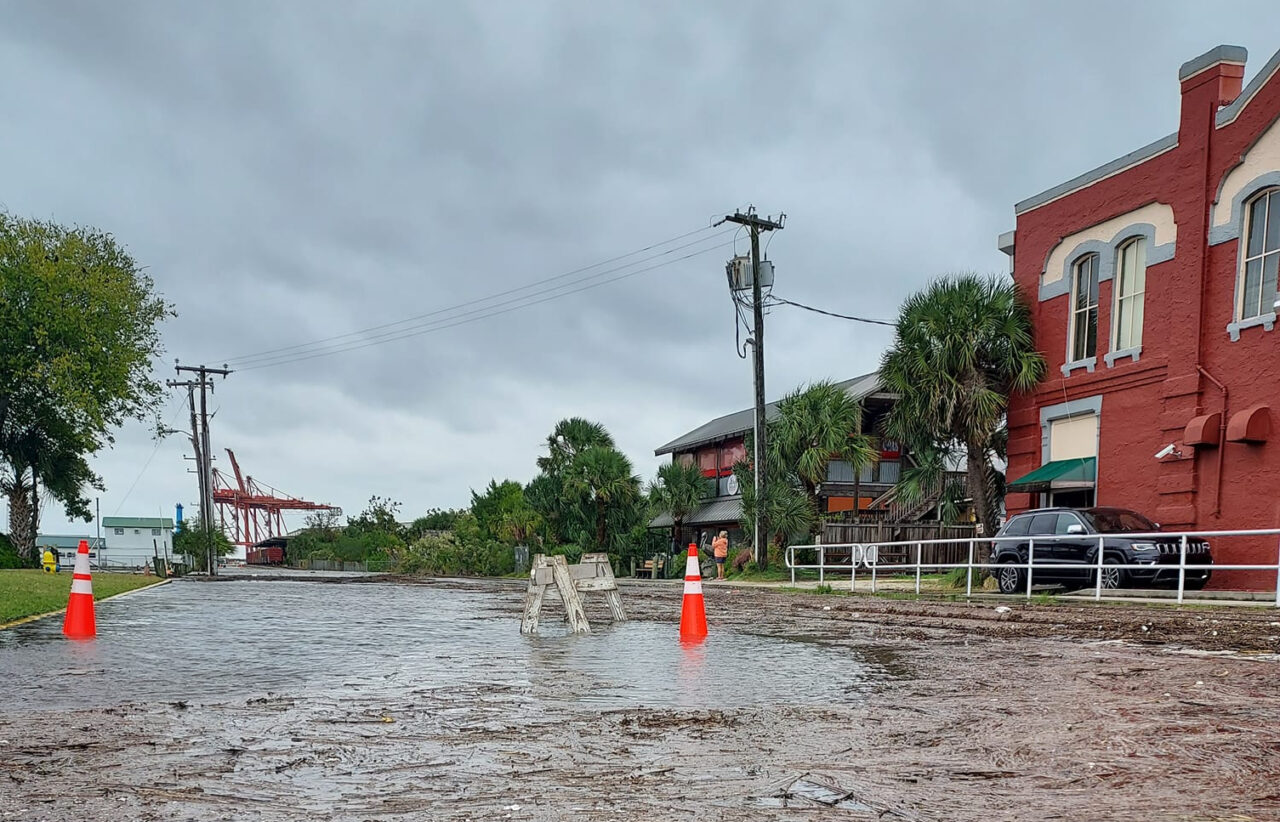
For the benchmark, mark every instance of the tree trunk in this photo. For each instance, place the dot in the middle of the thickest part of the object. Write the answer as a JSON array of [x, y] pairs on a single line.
[[20, 518], [983, 508], [35, 509], [815, 501], [600, 524]]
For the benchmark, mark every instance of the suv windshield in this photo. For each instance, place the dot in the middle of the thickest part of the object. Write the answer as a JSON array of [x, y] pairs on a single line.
[[1106, 521]]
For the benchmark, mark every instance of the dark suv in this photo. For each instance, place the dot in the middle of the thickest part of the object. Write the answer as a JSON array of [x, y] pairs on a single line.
[[1076, 544]]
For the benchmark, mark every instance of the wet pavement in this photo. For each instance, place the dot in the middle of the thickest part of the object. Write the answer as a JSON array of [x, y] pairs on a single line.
[[372, 701], [204, 642]]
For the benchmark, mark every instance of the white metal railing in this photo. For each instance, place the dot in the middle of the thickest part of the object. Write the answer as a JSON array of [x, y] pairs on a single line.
[[867, 555]]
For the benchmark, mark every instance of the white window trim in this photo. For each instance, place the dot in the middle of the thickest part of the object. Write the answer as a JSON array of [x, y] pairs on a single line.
[[1117, 351], [1264, 318], [1090, 362]]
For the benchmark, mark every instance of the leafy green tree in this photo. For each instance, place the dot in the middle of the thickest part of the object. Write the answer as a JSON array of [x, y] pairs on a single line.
[[678, 491], [374, 534], [566, 516], [379, 516], [194, 542], [434, 520], [602, 476], [324, 522], [78, 337], [545, 495], [963, 345], [460, 552], [815, 425], [503, 514]]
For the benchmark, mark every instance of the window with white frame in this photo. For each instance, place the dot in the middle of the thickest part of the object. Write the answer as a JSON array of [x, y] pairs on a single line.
[[1131, 284], [1084, 308], [1261, 255]]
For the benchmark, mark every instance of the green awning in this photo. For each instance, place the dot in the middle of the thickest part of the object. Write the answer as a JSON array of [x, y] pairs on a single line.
[[1081, 472]]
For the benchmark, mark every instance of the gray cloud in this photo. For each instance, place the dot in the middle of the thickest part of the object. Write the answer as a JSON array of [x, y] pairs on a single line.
[[292, 171]]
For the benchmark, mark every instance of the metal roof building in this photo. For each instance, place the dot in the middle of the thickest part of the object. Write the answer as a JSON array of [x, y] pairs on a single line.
[[741, 422]]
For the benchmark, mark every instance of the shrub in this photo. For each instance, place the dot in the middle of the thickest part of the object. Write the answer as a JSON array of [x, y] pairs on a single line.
[[9, 557], [446, 555]]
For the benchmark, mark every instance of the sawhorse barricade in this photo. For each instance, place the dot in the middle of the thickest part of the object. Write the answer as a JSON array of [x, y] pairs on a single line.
[[593, 573]]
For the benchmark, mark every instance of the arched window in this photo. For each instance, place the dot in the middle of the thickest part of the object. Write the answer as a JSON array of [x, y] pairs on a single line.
[[1261, 255], [1084, 308], [1131, 285]]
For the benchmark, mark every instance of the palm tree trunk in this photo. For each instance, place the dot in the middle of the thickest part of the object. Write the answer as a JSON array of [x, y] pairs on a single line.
[[983, 509], [816, 502], [976, 477], [600, 524], [20, 518], [35, 509]]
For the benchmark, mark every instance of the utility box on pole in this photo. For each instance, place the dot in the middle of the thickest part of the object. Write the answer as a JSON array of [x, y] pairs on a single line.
[[754, 275], [742, 277]]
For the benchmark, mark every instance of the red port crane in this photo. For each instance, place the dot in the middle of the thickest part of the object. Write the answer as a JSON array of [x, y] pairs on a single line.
[[251, 511]]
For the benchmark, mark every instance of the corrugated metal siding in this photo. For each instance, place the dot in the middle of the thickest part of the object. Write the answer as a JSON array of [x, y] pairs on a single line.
[[727, 509]]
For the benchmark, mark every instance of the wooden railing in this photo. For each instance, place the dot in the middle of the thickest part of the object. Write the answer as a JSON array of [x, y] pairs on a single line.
[[834, 533]]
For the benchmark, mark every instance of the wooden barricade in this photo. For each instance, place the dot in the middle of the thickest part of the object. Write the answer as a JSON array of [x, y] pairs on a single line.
[[593, 573]]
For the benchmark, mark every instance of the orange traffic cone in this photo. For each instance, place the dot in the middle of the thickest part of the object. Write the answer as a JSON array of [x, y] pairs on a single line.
[[693, 613], [79, 623]]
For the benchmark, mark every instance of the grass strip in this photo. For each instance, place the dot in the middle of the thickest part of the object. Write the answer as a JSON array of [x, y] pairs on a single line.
[[27, 592]]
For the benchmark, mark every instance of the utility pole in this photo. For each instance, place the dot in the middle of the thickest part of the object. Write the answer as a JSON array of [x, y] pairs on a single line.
[[196, 450], [201, 446], [755, 224]]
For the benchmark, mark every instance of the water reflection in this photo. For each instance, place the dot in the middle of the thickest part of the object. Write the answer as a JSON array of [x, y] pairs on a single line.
[[234, 640]]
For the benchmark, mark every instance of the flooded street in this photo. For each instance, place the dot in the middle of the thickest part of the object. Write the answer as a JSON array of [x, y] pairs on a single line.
[[361, 701], [210, 643]]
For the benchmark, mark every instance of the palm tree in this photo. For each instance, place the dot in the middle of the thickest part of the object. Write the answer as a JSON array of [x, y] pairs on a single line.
[[815, 425], [562, 518], [963, 345], [571, 437], [602, 477], [787, 509], [678, 491]]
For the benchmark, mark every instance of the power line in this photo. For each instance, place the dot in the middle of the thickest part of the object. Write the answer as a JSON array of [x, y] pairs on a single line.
[[834, 314], [463, 319], [363, 334], [159, 441]]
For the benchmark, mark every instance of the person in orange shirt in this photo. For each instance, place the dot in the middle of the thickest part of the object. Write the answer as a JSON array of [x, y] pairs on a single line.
[[720, 548]]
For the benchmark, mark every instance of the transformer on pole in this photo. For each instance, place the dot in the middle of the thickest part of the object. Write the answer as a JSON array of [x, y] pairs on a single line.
[[760, 271]]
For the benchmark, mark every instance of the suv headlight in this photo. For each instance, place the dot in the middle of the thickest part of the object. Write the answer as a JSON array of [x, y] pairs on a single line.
[[1145, 548]]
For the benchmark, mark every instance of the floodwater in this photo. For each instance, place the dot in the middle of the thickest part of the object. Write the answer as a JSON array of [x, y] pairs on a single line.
[[372, 702], [203, 642]]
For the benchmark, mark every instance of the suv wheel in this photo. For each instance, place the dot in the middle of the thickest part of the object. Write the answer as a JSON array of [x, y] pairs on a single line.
[[1113, 576], [1011, 580]]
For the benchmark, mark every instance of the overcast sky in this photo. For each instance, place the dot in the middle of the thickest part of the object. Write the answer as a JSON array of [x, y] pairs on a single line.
[[291, 171]]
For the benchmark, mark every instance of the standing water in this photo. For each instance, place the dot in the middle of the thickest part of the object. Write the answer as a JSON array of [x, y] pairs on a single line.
[[205, 642]]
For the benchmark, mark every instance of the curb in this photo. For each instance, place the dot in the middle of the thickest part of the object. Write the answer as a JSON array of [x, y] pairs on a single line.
[[34, 617]]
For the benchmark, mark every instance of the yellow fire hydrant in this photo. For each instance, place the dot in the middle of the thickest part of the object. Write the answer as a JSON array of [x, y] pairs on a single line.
[[49, 561]]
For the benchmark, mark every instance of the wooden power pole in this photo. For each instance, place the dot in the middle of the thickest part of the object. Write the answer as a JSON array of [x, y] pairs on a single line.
[[756, 224], [201, 446]]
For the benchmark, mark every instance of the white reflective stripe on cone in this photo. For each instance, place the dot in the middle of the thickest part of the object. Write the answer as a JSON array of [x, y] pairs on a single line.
[[692, 586], [691, 567], [82, 563], [81, 586]]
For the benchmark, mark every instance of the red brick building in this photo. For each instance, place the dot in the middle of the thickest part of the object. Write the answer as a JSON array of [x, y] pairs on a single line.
[[1152, 281]]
